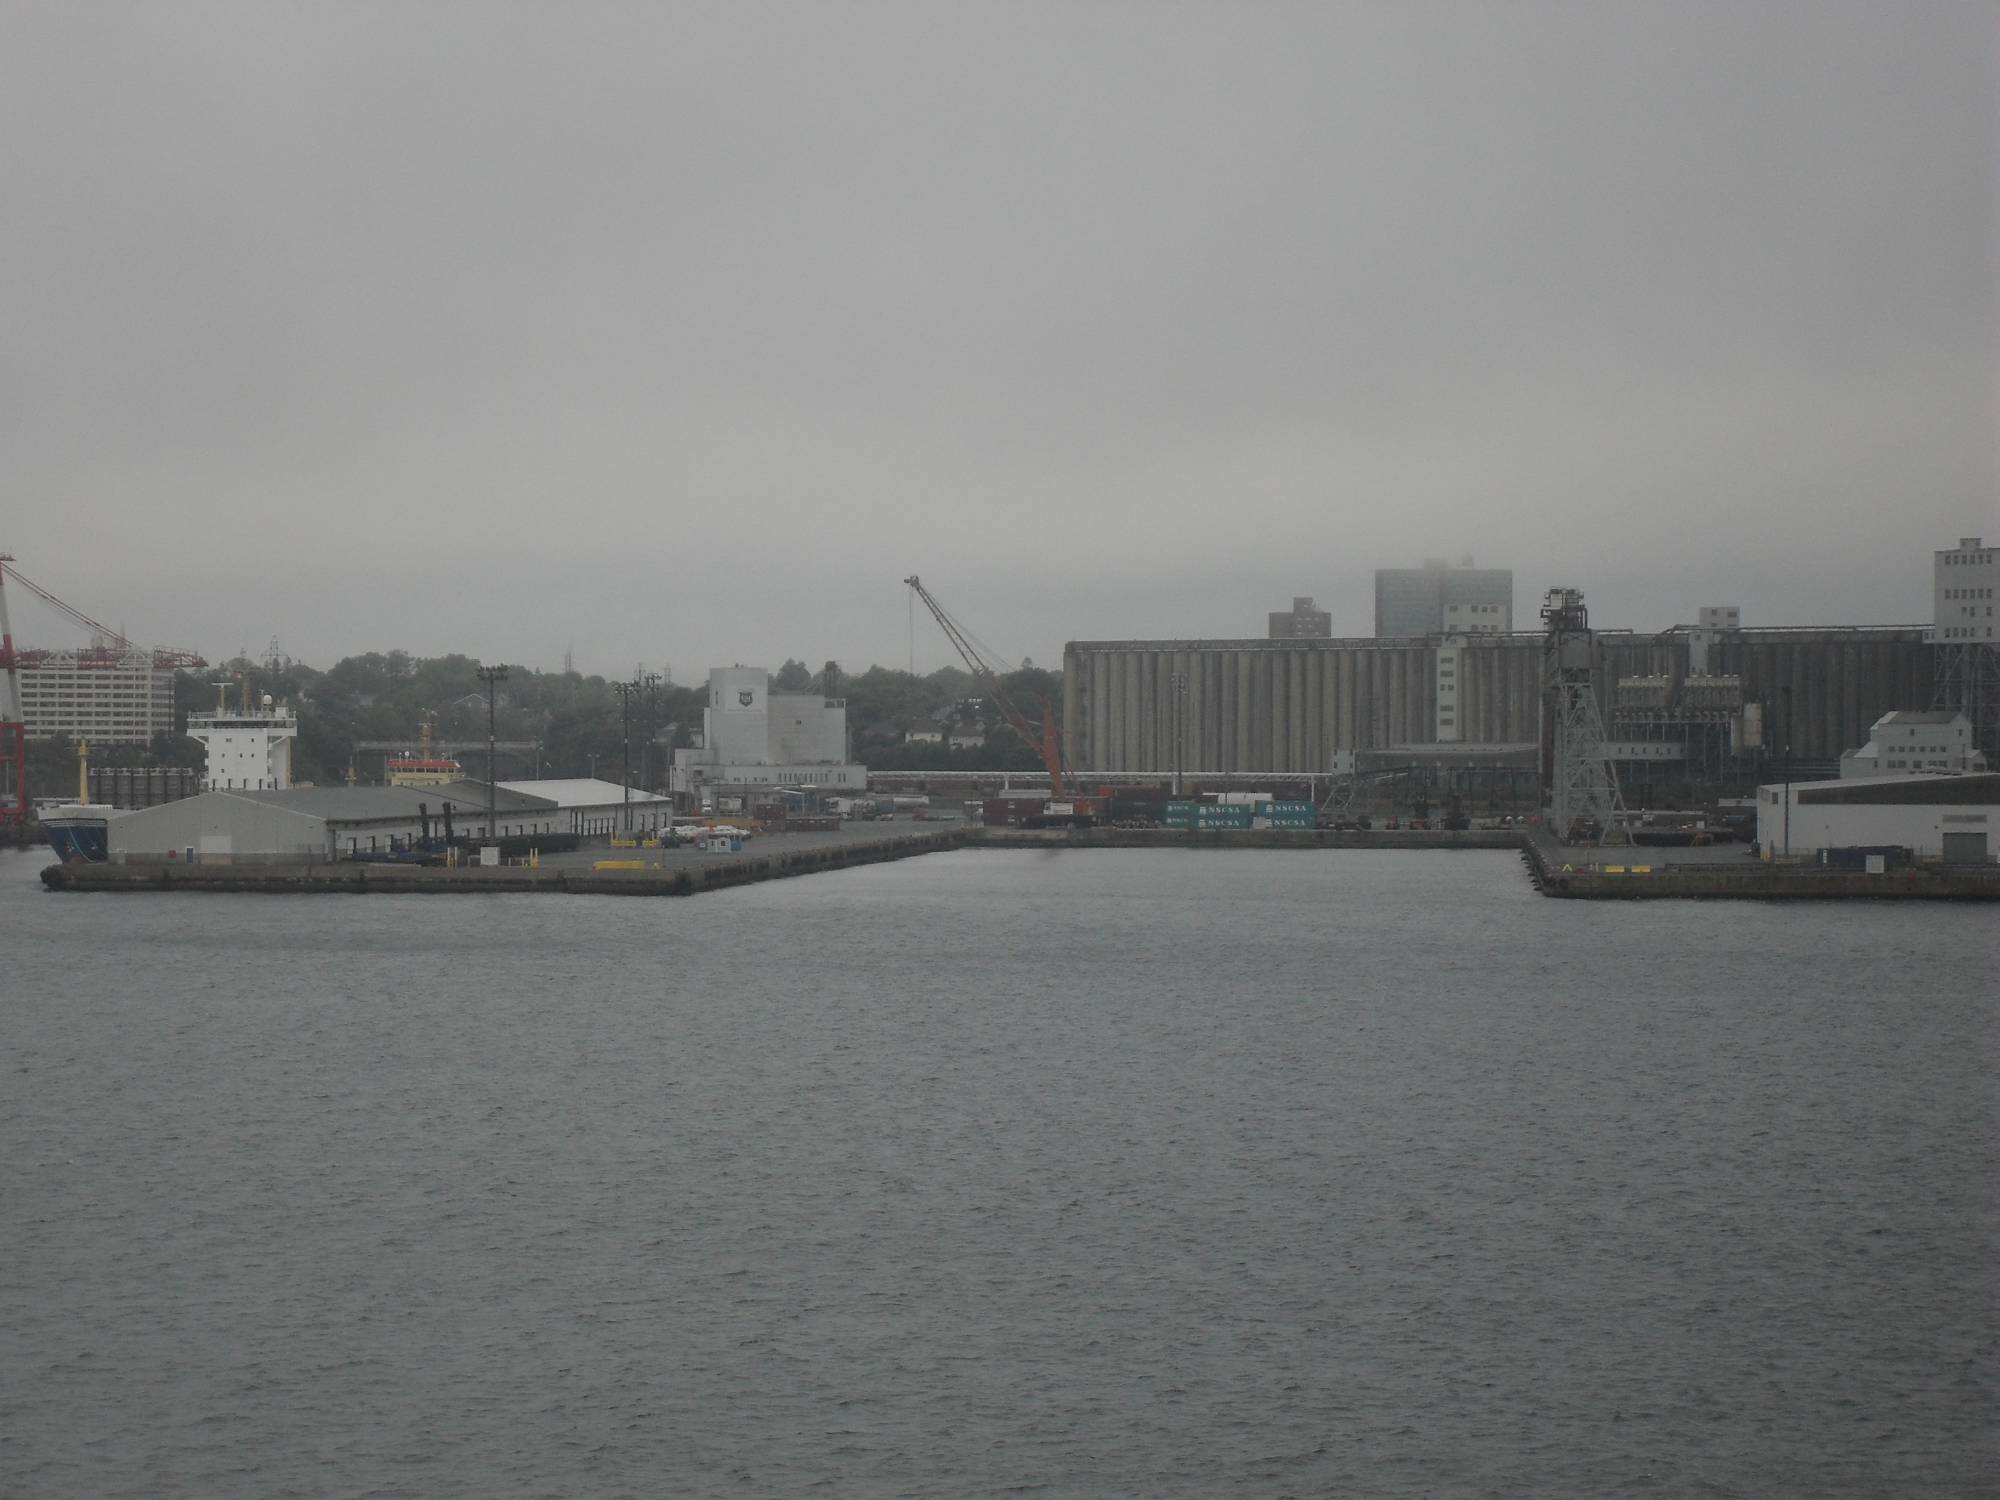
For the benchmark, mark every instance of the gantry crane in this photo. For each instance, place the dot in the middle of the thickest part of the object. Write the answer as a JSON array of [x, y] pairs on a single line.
[[108, 647], [1047, 742], [114, 642]]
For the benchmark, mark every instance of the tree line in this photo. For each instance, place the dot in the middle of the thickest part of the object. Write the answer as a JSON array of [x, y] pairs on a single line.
[[579, 722]]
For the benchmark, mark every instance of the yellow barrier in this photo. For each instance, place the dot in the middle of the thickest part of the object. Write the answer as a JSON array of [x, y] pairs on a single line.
[[618, 864]]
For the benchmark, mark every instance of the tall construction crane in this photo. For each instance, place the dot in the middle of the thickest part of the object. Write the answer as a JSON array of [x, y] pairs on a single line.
[[115, 642], [1047, 741], [13, 731]]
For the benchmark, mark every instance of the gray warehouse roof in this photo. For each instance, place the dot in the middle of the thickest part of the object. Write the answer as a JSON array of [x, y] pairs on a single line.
[[580, 791], [1981, 790], [353, 804]]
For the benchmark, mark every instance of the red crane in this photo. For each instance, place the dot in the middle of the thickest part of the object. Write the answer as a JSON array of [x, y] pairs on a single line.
[[115, 643], [1047, 741]]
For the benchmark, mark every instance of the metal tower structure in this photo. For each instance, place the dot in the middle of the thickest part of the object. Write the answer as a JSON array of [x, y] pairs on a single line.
[[1583, 798], [13, 730], [1968, 682]]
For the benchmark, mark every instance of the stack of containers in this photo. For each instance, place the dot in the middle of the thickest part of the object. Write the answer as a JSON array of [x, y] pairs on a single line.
[[1285, 815], [1222, 815], [1179, 814]]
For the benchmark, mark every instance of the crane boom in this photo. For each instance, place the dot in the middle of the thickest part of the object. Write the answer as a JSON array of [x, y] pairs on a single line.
[[117, 640], [1046, 741]]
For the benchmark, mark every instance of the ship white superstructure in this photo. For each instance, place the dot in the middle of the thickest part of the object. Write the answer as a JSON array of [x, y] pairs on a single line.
[[249, 747]]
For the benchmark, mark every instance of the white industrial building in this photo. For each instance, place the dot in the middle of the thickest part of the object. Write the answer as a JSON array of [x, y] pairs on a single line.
[[753, 739], [1934, 817], [1965, 578], [103, 696], [1908, 741]]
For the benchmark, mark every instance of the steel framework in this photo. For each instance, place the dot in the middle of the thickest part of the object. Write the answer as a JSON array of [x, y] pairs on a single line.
[[1968, 681], [1584, 802]]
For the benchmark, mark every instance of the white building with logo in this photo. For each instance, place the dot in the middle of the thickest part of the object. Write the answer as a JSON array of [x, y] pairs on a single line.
[[753, 739]]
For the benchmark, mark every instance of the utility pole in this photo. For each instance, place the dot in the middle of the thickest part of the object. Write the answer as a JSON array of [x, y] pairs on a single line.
[[491, 676], [625, 690]]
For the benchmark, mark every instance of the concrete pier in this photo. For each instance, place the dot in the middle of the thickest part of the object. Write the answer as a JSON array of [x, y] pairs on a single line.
[[665, 874]]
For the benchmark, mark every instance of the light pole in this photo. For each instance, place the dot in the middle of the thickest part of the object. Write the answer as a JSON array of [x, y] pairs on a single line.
[[625, 690], [1178, 683], [491, 676], [651, 682], [1785, 694]]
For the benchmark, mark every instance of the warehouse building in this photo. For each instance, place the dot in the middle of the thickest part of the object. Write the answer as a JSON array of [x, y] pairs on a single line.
[[587, 805], [1950, 818], [247, 826]]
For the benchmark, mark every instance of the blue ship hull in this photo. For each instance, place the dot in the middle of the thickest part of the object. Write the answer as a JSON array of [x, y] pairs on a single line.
[[78, 840]]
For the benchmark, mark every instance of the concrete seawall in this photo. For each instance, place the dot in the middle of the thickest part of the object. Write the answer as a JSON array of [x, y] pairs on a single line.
[[1241, 838], [406, 880], [1563, 874], [1641, 875]]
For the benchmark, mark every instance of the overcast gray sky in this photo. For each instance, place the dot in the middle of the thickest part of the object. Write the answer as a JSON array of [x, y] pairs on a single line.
[[682, 333]]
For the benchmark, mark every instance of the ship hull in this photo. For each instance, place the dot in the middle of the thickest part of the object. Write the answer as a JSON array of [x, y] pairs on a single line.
[[78, 838]]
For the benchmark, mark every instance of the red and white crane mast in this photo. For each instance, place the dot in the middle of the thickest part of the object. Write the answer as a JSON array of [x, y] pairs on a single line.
[[13, 731]]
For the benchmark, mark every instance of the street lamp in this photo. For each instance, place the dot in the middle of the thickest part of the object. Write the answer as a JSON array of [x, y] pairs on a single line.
[[491, 676], [1785, 695], [1179, 684]]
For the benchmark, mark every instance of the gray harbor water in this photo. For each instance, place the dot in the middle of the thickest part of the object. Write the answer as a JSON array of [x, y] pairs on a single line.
[[1092, 1173]]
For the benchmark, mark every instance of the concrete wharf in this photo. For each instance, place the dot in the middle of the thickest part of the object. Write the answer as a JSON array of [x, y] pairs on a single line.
[[1574, 873]]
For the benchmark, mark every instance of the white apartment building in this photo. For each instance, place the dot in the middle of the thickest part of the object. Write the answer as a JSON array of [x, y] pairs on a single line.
[[1966, 578], [107, 698]]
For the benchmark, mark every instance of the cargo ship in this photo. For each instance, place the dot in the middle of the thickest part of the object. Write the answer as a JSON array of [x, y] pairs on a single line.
[[77, 831]]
